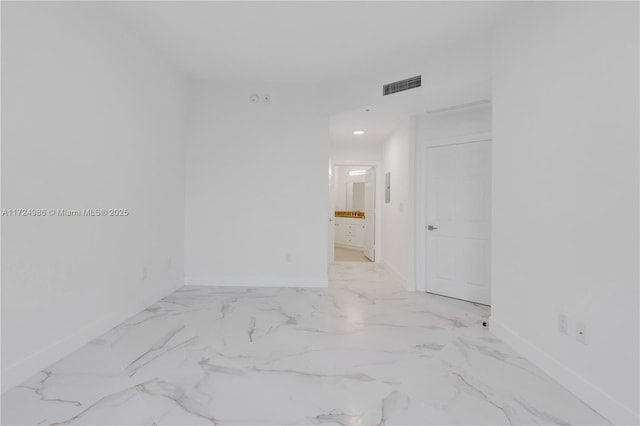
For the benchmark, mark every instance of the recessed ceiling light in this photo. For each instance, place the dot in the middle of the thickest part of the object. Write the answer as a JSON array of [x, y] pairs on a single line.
[[358, 132], [357, 172]]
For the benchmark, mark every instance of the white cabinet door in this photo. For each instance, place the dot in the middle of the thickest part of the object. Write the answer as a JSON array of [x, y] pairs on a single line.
[[340, 232], [459, 221], [369, 213], [355, 234]]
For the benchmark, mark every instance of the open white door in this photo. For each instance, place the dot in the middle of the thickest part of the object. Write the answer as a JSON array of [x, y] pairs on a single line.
[[369, 213], [332, 209], [458, 246]]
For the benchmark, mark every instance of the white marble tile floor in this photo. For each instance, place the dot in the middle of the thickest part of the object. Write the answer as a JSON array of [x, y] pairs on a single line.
[[363, 352]]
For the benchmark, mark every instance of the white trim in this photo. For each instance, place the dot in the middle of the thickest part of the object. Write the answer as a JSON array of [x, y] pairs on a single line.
[[259, 281], [26, 368], [347, 246], [421, 214], [411, 210], [456, 140], [593, 396]]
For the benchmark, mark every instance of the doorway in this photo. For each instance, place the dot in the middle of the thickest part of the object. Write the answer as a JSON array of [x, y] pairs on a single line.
[[458, 220], [353, 212]]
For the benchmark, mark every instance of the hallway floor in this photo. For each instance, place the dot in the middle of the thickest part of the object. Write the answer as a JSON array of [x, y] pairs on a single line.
[[343, 254], [363, 352]]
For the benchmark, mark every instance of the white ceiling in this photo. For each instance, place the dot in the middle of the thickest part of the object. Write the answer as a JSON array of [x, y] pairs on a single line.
[[303, 40], [378, 123], [308, 41], [383, 118]]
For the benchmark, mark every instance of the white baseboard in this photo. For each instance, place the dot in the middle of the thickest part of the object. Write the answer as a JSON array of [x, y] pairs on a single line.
[[347, 246], [397, 275], [26, 368], [595, 397], [261, 281]]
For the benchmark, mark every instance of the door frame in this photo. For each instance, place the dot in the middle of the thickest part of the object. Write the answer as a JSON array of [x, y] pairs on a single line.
[[421, 197], [377, 228]]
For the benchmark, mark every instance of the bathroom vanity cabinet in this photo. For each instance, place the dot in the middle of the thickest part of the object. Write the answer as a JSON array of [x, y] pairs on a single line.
[[349, 232]]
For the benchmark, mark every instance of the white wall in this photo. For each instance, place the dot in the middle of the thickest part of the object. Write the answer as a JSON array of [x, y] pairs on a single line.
[[565, 205], [452, 124], [91, 119], [356, 151], [257, 186], [342, 179], [396, 217]]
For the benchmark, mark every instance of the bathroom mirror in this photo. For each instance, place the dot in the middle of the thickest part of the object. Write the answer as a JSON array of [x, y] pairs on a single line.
[[355, 196]]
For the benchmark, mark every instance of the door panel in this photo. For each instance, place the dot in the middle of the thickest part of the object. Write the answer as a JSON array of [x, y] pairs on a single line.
[[475, 256], [458, 195], [445, 195], [446, 253], [473, 198]]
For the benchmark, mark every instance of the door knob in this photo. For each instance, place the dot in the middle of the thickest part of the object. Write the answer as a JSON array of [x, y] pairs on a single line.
[[432, 228]]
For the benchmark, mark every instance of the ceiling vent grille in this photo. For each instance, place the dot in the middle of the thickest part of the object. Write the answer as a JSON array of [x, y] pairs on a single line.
[[402, 85]]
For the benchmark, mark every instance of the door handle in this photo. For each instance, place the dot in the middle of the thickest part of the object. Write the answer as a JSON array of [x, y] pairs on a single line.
[[432, 228]]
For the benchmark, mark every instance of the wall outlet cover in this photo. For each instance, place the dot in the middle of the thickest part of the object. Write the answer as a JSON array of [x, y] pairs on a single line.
[[581, 333]]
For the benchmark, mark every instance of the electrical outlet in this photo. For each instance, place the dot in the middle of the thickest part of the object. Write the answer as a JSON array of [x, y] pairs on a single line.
[[145, 272], [563, 324], [287, 257], [581, 333]]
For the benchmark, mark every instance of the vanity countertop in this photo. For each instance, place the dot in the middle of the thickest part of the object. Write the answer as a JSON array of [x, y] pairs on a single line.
[[350, 214]]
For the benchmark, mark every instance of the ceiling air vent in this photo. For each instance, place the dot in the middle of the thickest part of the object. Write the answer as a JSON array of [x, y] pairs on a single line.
[[402, 85]]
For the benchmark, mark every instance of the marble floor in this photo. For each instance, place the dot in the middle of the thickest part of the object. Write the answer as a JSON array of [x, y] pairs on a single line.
[[363, 352], [343, 254]]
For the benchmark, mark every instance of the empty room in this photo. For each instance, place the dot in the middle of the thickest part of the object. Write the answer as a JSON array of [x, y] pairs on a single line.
[[303, 213]]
